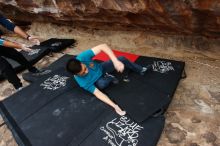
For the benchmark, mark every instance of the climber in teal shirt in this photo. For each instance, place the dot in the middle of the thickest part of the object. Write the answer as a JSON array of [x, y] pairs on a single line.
[[94, 77], [95, 71]]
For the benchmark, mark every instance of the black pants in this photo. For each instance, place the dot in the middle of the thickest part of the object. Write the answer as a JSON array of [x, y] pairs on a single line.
[[6, 69]]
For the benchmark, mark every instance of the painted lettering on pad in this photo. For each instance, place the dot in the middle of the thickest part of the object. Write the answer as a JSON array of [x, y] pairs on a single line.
[[121, 131]]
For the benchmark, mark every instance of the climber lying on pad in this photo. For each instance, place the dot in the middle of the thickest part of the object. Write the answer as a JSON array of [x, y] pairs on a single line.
[[93, 76]]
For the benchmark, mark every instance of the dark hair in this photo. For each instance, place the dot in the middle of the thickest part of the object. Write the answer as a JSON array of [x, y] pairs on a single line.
[[74, 66]]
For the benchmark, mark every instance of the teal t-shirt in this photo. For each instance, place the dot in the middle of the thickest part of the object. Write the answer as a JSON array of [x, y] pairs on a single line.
[[1, 42], [94, 71]]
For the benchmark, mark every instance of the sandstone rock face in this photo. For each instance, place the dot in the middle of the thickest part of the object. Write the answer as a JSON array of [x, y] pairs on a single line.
[[193, 17]]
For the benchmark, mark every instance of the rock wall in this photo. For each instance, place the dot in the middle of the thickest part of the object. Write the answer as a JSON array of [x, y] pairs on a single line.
[[190, 17]]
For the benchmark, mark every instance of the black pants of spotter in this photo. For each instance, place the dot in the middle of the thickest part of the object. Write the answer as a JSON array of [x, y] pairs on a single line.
[[5, 67]]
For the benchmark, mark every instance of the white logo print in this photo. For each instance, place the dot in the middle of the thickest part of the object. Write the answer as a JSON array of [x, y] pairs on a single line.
[[34, 51], [42, 73], [54, 83], [56, 44], [121, 131], [162, 66]]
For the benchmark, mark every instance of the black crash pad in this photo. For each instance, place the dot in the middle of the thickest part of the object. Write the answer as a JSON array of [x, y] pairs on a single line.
[[32, 98], [151, 93], [55, 111], [152, 96], [57, 45], [62, 119], [112, 129], [165, 75], [138, 99], [54, 114]]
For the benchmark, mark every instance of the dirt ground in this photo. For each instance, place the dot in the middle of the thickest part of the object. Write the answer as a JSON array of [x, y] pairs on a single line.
[[193, 116]]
